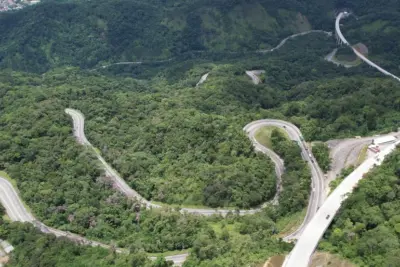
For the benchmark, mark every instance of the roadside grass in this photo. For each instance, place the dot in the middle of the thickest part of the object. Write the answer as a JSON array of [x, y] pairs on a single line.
[[362, 156], [290, 223], [15, 185], [325, 259], [230, 227], [275, 261], [12, 181], [168, 253], [335, 183], [6, 218], [263, 135]]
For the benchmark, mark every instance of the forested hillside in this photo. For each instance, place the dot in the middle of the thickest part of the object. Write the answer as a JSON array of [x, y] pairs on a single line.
[[366, 230], [180, 144], [92, 33], [88, 32]]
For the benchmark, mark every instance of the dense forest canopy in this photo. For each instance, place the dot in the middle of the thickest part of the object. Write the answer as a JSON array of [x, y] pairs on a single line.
[[180, 144], [94, 33]]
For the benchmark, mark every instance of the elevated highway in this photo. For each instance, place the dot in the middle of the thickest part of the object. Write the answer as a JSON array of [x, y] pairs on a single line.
[[313, 232], [360, 55], [317, 192]]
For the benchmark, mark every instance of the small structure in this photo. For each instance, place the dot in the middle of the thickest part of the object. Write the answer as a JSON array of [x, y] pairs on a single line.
[[374, 148], [385, 140]]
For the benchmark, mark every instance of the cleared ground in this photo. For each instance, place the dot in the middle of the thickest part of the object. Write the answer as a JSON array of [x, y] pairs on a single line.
[[263, 135], [324, 259], [362, 156]]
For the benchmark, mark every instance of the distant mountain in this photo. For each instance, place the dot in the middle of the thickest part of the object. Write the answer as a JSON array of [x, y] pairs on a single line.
[[86, 33]]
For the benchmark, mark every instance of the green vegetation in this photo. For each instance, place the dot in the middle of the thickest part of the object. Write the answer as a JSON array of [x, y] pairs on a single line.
[[178, 144], [32, 248], [263, 135], [288, 224], [296, 179], [324, 259], [362, 156], [171, 142], [343, 174], [92, 33], [238, 242], [321, 154], [367, 226]]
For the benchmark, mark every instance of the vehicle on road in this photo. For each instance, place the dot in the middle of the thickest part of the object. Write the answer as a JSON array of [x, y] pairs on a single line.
[[328, 216]]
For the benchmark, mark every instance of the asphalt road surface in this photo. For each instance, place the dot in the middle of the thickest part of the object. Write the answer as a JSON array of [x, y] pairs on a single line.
[[308, 241], [202, 79], [345, 152], [122, 186], [12, 203], [360, 55], [318, 194], [16, 211], [253, 74]]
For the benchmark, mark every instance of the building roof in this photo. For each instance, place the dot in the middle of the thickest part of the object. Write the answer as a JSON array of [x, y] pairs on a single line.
[[384, 139]]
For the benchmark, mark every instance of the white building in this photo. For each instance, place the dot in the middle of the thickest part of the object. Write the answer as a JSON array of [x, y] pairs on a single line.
[[385, 140]]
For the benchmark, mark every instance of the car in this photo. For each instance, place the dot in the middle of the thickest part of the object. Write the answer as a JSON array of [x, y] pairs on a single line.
[[284, 126], [327, 216]]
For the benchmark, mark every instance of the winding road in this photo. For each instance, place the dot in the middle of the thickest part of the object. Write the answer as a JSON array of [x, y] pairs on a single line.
[[263, 51], [292, 130], [319, 212], [318, 187], [17, 212], [282, 43], [308, 241], [254, 75], [363, 58], [318, 193]]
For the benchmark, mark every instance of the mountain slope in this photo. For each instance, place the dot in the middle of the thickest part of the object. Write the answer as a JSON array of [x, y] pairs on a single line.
[[86, 33]]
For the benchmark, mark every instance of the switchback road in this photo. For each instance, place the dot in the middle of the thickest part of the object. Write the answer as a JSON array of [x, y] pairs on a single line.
[[17, 212], [363, 58], [317, 193]]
